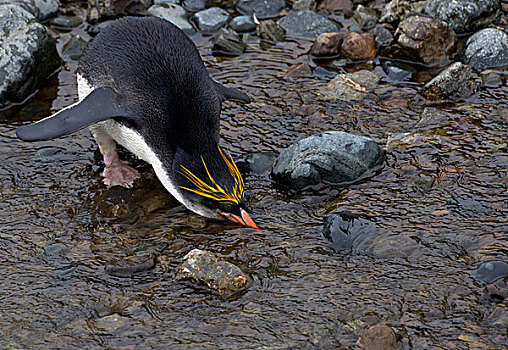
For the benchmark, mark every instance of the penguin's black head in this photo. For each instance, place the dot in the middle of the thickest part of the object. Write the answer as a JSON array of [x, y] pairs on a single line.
[[211, 185]]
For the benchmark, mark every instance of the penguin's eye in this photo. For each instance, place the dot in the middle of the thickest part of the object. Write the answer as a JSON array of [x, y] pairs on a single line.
[[214, 206]]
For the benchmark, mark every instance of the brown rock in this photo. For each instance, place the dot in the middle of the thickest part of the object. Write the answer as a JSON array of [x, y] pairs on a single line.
[[378, 337], [359, 46], [299, 70], [327, 44], [497, 290], [422, 39], [336, 5]]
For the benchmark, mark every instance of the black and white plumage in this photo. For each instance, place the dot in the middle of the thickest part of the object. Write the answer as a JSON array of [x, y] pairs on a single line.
[[142, 84]]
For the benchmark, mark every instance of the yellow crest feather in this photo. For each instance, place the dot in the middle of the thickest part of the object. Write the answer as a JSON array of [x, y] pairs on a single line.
[[216, 191]]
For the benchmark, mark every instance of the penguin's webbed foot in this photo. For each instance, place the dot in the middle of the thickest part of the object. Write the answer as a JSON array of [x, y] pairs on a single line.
[[119, 173]]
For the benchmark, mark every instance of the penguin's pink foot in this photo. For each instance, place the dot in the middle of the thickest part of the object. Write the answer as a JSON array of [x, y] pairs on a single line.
[[117, 172]]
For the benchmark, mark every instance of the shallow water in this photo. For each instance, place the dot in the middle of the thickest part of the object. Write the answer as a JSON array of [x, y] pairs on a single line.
[[440, 204]]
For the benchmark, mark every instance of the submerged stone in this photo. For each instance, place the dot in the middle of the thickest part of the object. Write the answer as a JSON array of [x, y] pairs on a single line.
[[257, 163], [204, 267], [343, 229], [261, 8], [306, 24], [487, 48], [491, 271], [398, 71], [351, 86], [334, 157]]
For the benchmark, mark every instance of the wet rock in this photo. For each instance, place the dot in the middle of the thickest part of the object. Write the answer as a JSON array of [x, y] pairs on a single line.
[[378, 337], [383, 36], [498, 316], [422, 39], [487, 48], [195, 5], [228, 42], [358, 46], [47, 153], [395, 11], [111, 323], [261, 8], [56, 250], [101, 9], [351, 86], [398, 71], [497, 290], [65, 22], [454, 83], [332, 156], [269, 30], [243, 24], [327, 44], [174, 14], [465, 15], [432, 118], [336, 5], [130, 266], [322, 72], [306, 24], [250, 39], [96, 28], [257, 163], [365, 17], [491, 271], [412, 139], [204, 267], [40, 9], [344, 228], [492, 79], [299, 70], [159, 2], [302, 5], [72, 46], [211, 20], [28, 54]]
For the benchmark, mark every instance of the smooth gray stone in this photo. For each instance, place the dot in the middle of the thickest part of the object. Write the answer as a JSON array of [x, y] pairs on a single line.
[[195, 5], [261, 8], [174, 14], [398, 72], [211, 20], [28, 54], [463, 16], [334, 157], [491, 271], [487, 48], [306, 24], [66, 22], [243, 24]]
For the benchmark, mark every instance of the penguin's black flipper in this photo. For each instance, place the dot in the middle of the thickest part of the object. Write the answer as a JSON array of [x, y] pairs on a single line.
[[101, 104], [231, 93]]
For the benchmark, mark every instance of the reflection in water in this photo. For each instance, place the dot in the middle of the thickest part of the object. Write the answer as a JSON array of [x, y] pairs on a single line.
[[439, 204]]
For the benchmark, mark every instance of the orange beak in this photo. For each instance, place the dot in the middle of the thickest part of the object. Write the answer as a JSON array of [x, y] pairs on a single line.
[[245, 220]]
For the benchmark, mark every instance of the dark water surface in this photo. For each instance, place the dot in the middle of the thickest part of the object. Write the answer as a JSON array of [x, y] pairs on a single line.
[[440, 204]]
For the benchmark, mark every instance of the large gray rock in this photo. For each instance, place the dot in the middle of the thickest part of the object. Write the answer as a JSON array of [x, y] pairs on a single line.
[[174, 14], [261, 8], [243, 24], [100, 9], [306, 24], [211, 20], [486, 49], [334, 157], [463, 15], [454, 83], [28, 54], [41, 9], [228, 42]]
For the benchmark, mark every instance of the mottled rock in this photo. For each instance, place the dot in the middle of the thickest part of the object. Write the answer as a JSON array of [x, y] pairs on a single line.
[[243, 24], [228, 42], [351, 86], [195, 5], [383, 36], [28, 54], [269, 30], [256, 163], [398, 71], [65, 22], [101, 9], [306, 24], [301, 5], [40, 9], [463, 16], [358, 46], [327, 44], [334, 157], [174, 14], [299, 70], [261, 8], [211, 20], [454, 83], [487, 48], [336, 5], [422, 39], [365, 17], [395, 11], [204, 267], [491, 271], [344, 228], [378, 337]]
